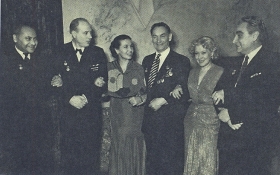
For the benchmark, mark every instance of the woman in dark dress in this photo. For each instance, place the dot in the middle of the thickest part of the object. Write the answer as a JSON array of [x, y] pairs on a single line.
[[126, 88]]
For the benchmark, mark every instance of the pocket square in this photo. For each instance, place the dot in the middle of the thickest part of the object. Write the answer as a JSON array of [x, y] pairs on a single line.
[[256, 74]]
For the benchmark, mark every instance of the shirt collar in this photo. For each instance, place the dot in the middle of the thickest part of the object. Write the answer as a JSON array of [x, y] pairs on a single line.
[[164, 53], [75, 47], [21, 53], [163, 56], [252, 54]]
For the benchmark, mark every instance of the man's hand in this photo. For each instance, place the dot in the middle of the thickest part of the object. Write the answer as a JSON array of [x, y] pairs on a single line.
[[218, 96], [99, 82], [224, 117], [78, 101], [235, 126], [177, 92], [156, 103], [57, 81]]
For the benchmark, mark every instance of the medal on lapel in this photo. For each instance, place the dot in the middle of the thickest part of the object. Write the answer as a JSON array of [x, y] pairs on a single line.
[[66, 65], [20, 66]]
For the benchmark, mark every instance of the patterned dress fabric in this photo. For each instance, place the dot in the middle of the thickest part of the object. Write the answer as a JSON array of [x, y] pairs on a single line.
[[128, 150], [202, 124]]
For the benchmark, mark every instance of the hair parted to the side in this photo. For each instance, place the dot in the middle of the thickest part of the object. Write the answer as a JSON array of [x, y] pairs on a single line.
[[115, 44], [255, 23], [207, 43]]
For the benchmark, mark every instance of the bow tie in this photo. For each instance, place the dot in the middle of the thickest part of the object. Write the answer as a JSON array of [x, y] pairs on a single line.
[[26, 56], [80, 51]]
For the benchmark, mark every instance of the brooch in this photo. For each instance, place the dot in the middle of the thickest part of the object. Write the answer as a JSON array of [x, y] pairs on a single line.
[[134, 81]]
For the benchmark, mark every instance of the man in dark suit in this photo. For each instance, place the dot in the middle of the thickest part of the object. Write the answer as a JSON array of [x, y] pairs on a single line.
[[162, 126], [81, 77], [250, 120], [25, 121]]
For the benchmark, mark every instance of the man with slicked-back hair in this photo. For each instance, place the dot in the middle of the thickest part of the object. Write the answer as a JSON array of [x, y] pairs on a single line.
[[80, 77]]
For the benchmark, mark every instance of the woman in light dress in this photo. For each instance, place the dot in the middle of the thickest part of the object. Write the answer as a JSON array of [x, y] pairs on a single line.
[[201, 121]]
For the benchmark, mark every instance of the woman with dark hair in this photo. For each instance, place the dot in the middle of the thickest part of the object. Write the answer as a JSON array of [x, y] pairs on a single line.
[[126, 88], [202, 122]]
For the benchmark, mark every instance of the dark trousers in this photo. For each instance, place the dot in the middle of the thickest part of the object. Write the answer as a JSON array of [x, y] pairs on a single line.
[[26, 142], [81, 142], [165, 152], [253, 161]]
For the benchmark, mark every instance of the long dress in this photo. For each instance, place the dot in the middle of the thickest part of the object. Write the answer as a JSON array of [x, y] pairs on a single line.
[[128, 151], [201, 124]]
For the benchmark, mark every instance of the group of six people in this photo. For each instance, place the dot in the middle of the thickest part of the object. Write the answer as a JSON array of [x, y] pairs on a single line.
[[164, 115]]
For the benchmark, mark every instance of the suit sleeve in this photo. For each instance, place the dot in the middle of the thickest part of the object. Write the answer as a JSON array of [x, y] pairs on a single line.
[[101, 72], [181, 74]]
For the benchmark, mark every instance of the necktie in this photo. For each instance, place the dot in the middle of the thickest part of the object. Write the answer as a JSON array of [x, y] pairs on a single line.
[[80, 51], [26, 59], [243, 67], [154, 71]]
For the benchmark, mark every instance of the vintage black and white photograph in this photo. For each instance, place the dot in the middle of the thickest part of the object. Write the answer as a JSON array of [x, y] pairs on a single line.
[[140, 87]]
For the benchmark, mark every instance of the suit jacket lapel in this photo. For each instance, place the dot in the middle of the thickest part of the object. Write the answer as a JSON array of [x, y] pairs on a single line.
[[254, 64], [72, 54]]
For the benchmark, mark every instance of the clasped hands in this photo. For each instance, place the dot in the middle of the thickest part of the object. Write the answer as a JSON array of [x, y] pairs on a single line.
[[78, 101], [156, 103]]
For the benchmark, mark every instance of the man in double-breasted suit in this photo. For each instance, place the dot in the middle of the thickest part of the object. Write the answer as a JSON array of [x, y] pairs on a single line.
[[248, 132], [82, 73], [25, 119], [163, 118]]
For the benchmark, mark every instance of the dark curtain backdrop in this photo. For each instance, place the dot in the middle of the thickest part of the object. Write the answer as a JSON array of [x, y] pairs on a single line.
[[44, 15]]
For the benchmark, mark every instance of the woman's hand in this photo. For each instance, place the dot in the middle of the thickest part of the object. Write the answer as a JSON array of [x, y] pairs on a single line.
[[57, 81], [99, 82], [218, 96], [177, 92], [134, 101]]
